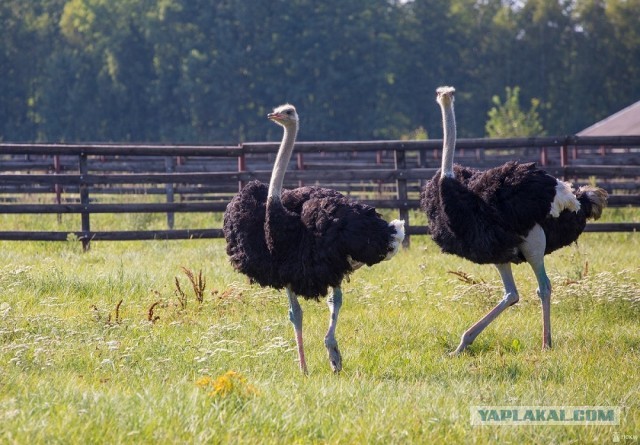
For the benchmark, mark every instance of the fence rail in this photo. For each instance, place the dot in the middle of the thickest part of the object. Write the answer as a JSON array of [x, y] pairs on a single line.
[[76, 178]]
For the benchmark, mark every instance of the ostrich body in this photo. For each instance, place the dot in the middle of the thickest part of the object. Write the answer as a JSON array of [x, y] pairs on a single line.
[[304, 240], [508, 214]]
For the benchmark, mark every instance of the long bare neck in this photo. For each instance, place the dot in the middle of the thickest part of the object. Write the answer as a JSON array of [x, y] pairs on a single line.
[[282, 161], [449, 139]]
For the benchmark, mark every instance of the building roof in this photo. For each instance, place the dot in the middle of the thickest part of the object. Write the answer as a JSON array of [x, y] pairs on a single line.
[[625, 122]]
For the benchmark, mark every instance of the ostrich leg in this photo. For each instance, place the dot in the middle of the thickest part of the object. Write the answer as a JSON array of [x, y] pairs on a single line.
[[334, 302], [533, 250], [510, 298], [295, 315], [544, 292]]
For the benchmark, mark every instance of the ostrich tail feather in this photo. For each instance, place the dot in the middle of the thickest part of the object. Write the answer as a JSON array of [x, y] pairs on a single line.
[[598, 198], [397, 238]]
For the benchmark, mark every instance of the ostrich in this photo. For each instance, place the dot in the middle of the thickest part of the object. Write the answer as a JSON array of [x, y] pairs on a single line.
[[304, 240], [507, 214]]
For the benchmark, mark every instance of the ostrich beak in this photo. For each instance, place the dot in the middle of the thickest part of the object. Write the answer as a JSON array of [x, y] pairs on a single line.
[[274, 116]]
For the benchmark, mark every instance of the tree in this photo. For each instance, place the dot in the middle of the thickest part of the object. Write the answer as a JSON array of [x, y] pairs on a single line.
[[210, 70], [508, 120], [110, 38], [27, 38], [605, 73]]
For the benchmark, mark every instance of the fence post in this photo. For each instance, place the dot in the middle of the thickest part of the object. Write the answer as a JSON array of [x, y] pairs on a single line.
[[242, 166], [57, 187], [84, 201], [169, 168], [423, 162], [379, 162], [300, 166], [401, 185]]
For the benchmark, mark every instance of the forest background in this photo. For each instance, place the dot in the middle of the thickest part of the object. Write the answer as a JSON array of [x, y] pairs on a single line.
[[208, 71]]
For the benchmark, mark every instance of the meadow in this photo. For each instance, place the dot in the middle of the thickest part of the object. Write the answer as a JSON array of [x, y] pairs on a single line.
[[162, 342]]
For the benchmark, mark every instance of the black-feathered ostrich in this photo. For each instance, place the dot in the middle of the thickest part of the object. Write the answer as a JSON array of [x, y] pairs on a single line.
[[304, 240], [508, 214]]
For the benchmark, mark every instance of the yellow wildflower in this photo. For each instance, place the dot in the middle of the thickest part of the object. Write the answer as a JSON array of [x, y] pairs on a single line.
[[229, 383]]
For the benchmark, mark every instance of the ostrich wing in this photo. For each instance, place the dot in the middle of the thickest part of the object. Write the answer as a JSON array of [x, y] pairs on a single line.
[[521, 194], [343, 228]]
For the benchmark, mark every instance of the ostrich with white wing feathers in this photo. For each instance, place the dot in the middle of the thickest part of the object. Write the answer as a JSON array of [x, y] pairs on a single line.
[[304, 240], [507, 214]]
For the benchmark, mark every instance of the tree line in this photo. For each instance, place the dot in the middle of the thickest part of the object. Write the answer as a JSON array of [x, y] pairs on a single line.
[[208, 71]]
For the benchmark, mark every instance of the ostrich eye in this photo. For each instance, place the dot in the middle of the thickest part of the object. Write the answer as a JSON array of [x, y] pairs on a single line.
[[288, 112]]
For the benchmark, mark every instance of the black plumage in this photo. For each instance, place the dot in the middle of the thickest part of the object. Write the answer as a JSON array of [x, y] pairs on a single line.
[[310, 242], [484, 216], [508, 214], [304, 240]]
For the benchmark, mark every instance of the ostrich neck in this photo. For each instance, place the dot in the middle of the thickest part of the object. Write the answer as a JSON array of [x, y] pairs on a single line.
[[282, 161], [449, 139]]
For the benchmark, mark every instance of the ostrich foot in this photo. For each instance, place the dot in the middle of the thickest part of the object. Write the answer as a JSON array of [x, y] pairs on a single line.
[[335, 358], [466, 340], [546, 342], [470, 335], [303, 368], [459, 350]]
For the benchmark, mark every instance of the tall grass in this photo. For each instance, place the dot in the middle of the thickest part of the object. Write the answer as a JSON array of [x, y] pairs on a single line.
[[100, 347]]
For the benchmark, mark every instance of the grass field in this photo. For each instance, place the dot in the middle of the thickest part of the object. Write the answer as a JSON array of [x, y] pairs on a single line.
[[100, 347]]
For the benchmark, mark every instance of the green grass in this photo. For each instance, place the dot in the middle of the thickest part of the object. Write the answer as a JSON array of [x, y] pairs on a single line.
[[77, 368]]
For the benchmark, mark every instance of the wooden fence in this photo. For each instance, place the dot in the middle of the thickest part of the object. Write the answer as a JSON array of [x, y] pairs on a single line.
[[77, 178]]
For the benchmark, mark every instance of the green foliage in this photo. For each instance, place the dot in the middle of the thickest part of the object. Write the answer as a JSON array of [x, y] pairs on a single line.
[[419, 134], [509, 120], [208, 71]]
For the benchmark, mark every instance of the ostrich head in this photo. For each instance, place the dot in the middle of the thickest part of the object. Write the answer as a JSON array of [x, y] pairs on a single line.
[[284, 115], [444, 95]]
